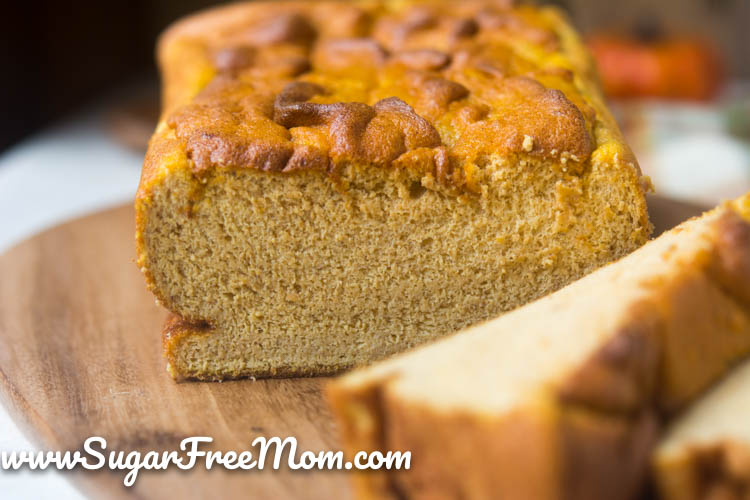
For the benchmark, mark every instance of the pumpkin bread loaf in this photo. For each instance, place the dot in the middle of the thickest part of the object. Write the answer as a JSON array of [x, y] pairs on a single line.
[[331, 183], [562, 398]]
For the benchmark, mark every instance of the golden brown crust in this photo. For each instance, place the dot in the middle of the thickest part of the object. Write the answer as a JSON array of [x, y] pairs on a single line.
[[456, 472], [732, 268], [621, 376], [571, 454], [174, 330], [716, 471], [476, 80], [228, 125], [609, 423], [718, 279], [606, 456], [160, 149]]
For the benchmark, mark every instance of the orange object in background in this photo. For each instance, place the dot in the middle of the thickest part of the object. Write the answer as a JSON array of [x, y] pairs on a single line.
[[679, 68]]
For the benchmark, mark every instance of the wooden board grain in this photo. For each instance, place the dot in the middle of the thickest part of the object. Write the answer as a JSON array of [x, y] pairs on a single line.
[[80, 356]]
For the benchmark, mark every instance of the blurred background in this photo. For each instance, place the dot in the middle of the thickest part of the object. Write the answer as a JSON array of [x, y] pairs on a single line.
[[677, 71]]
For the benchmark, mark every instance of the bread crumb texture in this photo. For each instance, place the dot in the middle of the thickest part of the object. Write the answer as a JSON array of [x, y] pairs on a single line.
[[334, 182]]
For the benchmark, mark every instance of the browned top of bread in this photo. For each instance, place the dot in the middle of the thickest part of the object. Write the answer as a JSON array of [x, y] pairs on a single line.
[[425, 85]]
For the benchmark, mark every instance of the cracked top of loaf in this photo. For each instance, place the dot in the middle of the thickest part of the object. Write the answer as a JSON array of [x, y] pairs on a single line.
[[429, 86]]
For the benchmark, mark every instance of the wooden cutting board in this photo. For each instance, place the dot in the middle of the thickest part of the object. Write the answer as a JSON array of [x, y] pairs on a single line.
[[80, 356]]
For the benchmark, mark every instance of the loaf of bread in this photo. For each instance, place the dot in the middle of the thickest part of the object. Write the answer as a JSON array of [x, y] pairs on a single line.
[[706, 453], [332, 182], [562, 398]]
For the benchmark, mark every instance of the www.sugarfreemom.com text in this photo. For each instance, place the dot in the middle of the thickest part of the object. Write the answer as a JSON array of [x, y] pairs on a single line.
[[95, 456]]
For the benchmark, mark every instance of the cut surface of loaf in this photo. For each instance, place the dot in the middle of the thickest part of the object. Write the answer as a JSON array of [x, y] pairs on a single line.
[[561, 398], [706, 453], [332, 182]]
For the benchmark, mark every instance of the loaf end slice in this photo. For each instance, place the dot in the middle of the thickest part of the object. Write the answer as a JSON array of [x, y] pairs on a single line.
[[706, 452]]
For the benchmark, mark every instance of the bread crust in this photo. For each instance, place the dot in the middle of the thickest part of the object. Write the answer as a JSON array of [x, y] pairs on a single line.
[[719, 469], [541, 109]]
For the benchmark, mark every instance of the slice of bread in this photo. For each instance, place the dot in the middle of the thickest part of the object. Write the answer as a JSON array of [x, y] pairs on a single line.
[[333, 183], [706, 452], [562, 398]]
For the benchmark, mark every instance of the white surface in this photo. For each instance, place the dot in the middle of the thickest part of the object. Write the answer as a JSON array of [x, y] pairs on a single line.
[[704, 167], [71, 170], [66, 172], [687, 148]]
